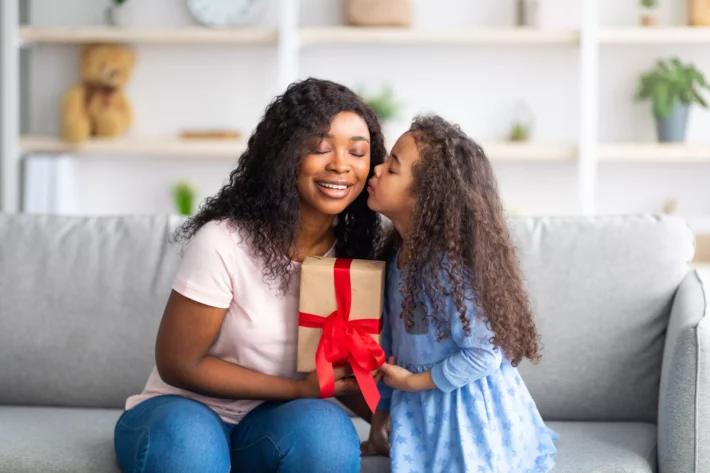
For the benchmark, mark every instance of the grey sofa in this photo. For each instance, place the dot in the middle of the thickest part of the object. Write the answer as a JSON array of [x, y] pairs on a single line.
[[624, 377]]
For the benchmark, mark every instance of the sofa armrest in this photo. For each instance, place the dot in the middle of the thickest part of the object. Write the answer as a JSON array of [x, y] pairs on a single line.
[[684, 405]]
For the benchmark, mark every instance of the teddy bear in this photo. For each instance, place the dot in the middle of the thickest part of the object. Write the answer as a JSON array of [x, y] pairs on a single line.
[[97, 105]]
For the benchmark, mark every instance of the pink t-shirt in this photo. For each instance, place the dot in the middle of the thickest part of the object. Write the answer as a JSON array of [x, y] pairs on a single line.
[[260, 327]]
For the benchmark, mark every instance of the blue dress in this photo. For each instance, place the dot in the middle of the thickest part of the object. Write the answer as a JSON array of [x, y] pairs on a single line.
[[480, 419]]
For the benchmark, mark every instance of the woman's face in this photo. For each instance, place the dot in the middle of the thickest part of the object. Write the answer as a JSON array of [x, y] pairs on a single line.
[[334, 169]]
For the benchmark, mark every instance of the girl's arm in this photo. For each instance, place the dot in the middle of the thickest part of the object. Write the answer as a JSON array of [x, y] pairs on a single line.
[[475, 359], [186, 333]]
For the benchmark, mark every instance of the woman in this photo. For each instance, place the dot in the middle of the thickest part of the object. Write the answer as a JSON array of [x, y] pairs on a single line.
[[225, 392]]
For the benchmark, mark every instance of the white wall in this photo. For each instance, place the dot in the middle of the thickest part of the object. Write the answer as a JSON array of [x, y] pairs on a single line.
[[226, 86]]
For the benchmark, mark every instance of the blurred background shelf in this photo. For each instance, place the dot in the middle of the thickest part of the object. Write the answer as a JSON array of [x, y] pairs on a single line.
[[158, 147], [655, 152], [187, 35], [660, 36], [484, 36], [174, 147], [529, 152]]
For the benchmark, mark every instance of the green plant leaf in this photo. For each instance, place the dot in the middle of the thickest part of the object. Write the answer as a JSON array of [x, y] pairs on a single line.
[[384, 104], [669, 83]]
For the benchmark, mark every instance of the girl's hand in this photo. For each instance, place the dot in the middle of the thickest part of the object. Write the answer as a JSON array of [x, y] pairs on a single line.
[[397, 377], [344, 383], [379, 441], [394, 376]]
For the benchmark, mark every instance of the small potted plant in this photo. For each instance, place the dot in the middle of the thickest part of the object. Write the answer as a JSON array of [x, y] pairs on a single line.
[[672, 87], [113, 16], [184, 197], [649, 12], [386, 107], [521, 128]]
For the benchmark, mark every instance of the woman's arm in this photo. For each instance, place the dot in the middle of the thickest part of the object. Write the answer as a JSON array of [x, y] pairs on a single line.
[[356, 403], [186, 333]]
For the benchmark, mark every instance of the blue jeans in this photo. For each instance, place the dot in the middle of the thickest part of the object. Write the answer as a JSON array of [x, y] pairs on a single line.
[[178, 435]]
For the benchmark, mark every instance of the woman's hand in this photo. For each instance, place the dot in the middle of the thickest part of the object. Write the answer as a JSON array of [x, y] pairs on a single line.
[[379, 441], [344, 383]]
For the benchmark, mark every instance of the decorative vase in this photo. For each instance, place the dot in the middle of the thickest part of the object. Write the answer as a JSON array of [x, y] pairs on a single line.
[[114, 15], [379, 12], [699, 12], [649, 16], [523, 121], [671, 129], [527, 13]]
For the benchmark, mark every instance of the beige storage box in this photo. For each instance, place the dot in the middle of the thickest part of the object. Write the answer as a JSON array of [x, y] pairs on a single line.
[[379, 12]]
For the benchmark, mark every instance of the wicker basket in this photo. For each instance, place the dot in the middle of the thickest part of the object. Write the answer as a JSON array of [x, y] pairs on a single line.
[[379, 12], [699, 12]]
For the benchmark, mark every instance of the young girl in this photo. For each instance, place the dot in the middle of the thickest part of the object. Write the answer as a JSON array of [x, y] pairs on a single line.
[[458, 320]]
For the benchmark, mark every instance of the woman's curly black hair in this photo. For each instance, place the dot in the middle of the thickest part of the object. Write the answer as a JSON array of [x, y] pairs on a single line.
[[261, 197], [459, 245]]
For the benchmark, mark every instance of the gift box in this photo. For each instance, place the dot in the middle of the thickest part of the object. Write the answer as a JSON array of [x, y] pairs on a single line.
[[340, 320]]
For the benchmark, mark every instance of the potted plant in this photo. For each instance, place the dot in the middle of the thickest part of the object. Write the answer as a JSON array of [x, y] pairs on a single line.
[[113, 16], [672, 87], [184, 197], [649, 12], [521, 128], [387, 108]]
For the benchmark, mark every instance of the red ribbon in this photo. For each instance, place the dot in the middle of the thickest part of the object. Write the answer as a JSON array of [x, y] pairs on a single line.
[[344, 339]]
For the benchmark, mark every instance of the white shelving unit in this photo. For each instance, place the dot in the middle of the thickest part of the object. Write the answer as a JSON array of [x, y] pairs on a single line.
[[656, 36], [655, 153], [395, 36], [288, 39], [192, 35], [168, 147], [154, 147]]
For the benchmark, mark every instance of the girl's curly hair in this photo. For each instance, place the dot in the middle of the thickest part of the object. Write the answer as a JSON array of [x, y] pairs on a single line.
[[458, 244], [261, 197]]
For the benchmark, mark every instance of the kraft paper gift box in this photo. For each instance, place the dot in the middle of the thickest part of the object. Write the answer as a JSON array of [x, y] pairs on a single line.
[[341, 306]]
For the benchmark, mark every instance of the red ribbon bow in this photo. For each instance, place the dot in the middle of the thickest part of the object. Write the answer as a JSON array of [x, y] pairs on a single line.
[[344, 339]]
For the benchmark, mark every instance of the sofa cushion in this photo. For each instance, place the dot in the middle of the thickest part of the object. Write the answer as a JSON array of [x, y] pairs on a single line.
[[81, 299], [81, 440], [601, 289], [80, 303], [60, 440], [584, 447]]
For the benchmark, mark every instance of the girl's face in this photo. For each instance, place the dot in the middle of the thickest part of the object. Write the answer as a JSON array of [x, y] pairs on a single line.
[[334, 169], [390, 188]]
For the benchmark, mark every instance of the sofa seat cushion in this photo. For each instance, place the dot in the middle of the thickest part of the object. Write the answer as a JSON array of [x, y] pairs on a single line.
[[60, 440], [584, 447], [75, 440]]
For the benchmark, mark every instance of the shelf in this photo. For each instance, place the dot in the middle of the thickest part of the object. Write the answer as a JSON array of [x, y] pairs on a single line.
[[167, 147], [655, 152], [361, 35], [231, 149], [679, 35], [529, 152], [189, 35]]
